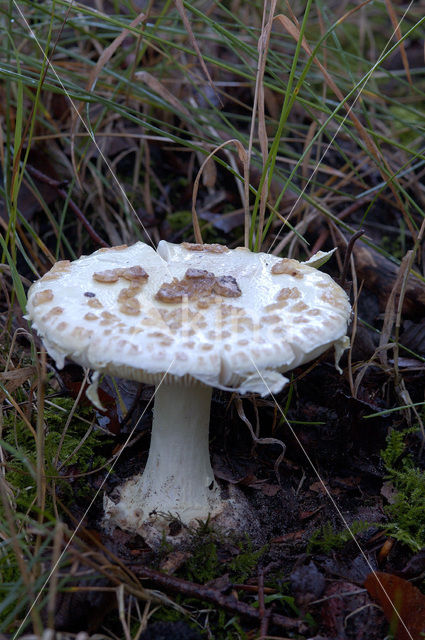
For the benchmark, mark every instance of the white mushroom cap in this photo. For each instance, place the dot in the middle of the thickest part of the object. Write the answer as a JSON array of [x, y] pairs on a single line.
[[265, 317]]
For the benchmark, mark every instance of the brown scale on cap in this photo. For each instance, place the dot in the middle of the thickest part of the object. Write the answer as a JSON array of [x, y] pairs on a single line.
[[299, 306], [119, 247], [108, 318], [91, 316], [198, 283], [57, 270], [107, 276], [51, 276], [42, 297], [80, 332], [130, 292], [95, 303], [198, 273], [130, 307], [211, 248], [55, 311], [276, 306], [227, 286], [329, 297], [288, 293], [134, 274], [272, 319], [61, 265], [289, 267], [195, 284]]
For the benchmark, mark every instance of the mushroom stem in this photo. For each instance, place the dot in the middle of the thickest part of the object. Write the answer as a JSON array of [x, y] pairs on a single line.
[[178, 478]]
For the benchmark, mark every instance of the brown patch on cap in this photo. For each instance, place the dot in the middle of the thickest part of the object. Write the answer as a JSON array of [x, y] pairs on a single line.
[[135, 274], [61, 265], [272, 319], [109, 275], [94, 303], [330, 297], [275, 306], [288, 292], [107, 317], [126, 294], [41, 297], [288, 267], [54, 311], [119, 247], [130, 307], [195, 284], [299, 306], [197, 273], [211, 248], [227, 287]]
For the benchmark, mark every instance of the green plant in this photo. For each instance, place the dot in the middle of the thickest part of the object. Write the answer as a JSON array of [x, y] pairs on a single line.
[[79, 445], [326, 539], [407, 509], [243, 564]]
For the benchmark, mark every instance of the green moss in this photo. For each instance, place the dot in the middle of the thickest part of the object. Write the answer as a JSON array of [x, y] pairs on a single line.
[[407, 509], [326, 539], [20, 445], [243, 564], [214, 555]]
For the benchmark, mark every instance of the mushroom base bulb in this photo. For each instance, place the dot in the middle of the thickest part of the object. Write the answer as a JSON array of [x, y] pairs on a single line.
[[186, 318]]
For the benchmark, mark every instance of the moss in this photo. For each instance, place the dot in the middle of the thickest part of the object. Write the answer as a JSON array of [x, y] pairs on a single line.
[[243, 564], [21, 463], [406, 512], [326, 539]]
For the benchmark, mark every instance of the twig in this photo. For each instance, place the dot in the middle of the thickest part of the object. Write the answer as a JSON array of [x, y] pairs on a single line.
[[56, 184], [201, 592], [348, 253], [264, 613]]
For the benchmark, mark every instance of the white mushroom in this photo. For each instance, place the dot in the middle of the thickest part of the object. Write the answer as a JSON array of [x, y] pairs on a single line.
[[186, 318]]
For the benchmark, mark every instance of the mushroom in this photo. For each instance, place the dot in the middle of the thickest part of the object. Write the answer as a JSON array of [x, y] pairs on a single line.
[[185, 318]]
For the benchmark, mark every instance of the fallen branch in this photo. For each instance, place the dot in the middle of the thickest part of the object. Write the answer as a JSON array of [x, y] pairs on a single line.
[[229, 603]]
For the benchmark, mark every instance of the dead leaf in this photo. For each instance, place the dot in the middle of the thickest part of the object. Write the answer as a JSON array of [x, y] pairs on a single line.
[[293, 536], [13, 379], [389, 492], [270, 489], [318, 487], [403, 604], [348, 612]]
